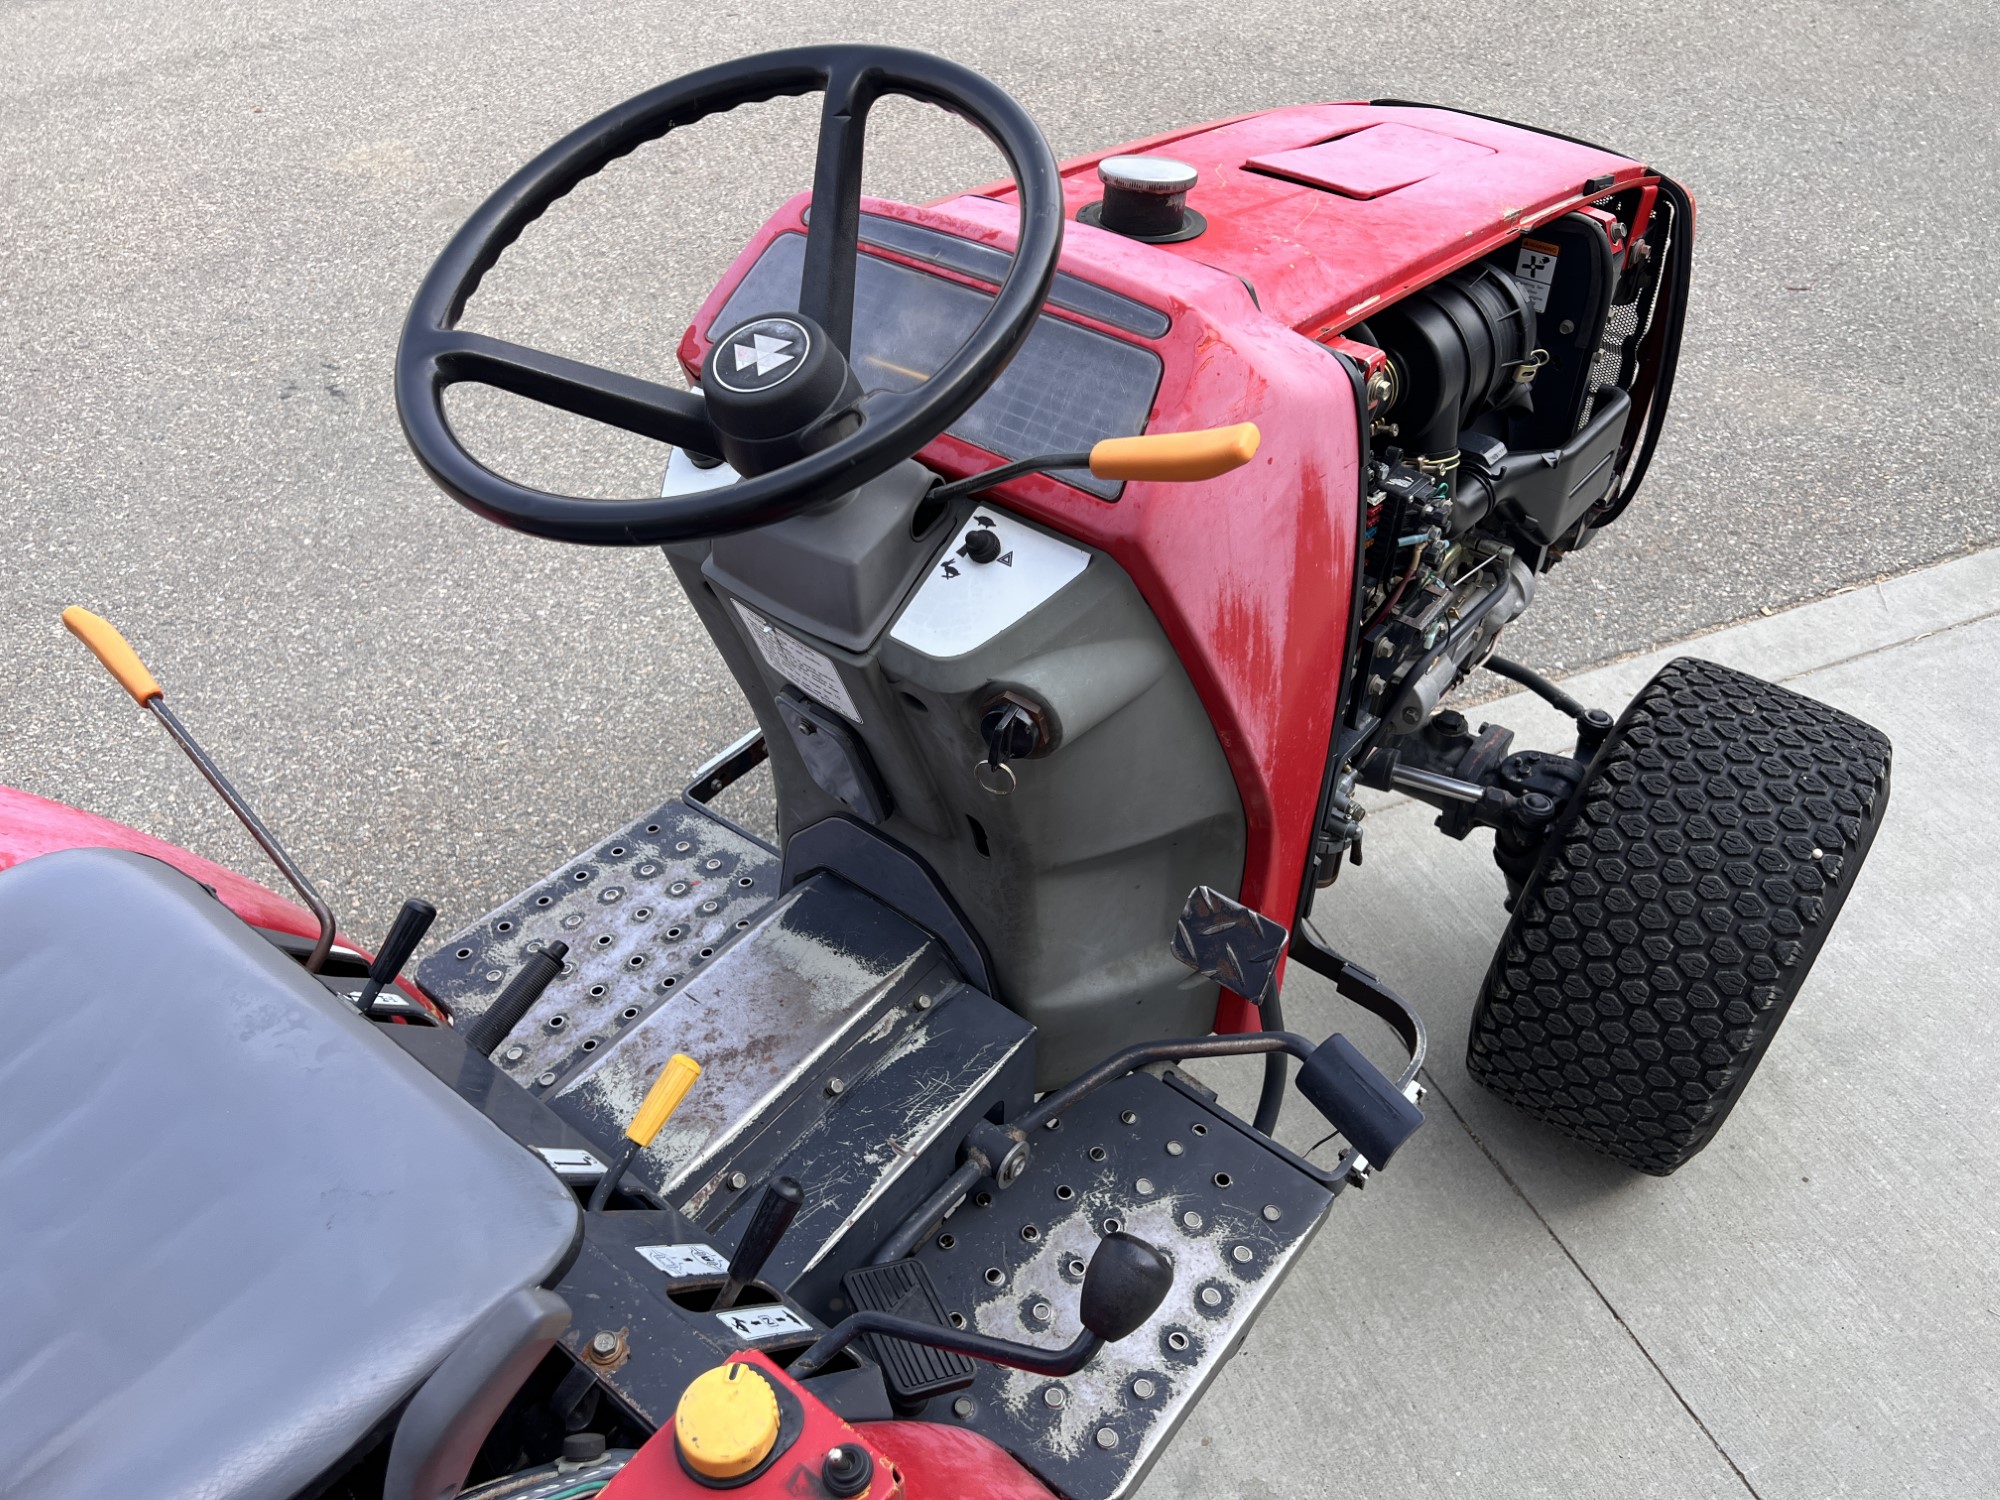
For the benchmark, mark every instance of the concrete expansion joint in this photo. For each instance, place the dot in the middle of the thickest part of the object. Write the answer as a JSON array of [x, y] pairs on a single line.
[[1591, 1282]]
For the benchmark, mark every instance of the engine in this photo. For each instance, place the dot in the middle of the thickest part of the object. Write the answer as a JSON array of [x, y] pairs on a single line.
[[1502, 423]]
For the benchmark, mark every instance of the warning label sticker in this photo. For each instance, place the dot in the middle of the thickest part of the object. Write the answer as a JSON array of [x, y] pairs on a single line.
[[1536, 271], [685, 1260], [763, 1322], [795, 661]]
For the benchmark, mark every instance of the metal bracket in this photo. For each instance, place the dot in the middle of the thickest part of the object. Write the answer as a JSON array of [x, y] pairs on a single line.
[[1372, 995], [723, 770], [1226, 941]]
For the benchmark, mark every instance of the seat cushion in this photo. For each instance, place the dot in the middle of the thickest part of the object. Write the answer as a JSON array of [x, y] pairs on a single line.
[[237, 1227]]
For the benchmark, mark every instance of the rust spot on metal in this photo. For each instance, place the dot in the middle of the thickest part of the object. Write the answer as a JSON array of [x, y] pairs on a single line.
[[606, 1350]]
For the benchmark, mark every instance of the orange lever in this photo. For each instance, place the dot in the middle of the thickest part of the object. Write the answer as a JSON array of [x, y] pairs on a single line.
[[111, 648], [1176, 455]]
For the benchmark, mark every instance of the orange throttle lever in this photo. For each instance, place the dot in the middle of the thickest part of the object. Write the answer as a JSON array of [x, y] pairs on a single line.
[[1176, 455], [1170, 456], [111, 648]]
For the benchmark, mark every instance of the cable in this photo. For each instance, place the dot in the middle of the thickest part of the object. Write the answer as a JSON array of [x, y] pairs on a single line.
[[613, 1174], [1537, 684], [1271, 1100]]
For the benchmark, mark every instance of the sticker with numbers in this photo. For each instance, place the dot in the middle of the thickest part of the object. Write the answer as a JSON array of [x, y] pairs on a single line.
[[1535, 269], [571, 1164], [685, 1260], [763, 1322], [796, 662]]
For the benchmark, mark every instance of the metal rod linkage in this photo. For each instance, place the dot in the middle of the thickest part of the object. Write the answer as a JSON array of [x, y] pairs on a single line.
[[266, 840]]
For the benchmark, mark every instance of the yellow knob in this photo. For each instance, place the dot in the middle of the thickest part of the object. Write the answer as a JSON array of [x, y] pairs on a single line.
[[727, 1422], [663, 1098]]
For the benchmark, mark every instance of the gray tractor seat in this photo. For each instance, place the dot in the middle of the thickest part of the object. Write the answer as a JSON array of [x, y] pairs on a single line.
[[238, 1228]]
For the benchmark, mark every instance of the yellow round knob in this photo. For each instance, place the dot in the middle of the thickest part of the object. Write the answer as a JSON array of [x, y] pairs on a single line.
[[727, 1422]]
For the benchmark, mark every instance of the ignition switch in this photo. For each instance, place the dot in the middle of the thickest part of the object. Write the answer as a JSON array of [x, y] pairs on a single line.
[[1013, 727]]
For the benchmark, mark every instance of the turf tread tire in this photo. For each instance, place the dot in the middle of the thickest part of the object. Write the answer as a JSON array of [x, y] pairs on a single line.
[[1661, 938]]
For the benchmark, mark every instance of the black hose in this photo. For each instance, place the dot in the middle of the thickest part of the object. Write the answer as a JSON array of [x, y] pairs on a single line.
[[1537, 684], [1272, 1099], [613, 1174]]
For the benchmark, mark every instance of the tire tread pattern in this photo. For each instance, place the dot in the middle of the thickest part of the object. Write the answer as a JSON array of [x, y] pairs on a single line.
[[1660, 941]]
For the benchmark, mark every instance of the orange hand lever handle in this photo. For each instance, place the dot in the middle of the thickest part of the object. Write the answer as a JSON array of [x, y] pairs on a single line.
[[111, 648], [1176, 455]]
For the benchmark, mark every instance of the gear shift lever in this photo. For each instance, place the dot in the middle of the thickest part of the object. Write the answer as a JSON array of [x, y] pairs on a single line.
[[773, 1215]]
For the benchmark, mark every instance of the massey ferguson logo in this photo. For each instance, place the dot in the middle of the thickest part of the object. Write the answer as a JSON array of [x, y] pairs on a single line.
[[762, 354]]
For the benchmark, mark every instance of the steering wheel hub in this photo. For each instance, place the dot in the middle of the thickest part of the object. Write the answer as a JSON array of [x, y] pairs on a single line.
[[777, 390]]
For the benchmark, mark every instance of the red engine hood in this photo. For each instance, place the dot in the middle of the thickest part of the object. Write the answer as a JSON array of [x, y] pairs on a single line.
[[1365, 203]]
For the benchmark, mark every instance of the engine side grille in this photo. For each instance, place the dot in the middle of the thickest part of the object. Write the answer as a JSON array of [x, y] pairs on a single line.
[[1617, 358]]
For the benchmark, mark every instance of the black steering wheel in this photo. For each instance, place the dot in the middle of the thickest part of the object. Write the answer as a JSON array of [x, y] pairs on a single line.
[[840, 439]]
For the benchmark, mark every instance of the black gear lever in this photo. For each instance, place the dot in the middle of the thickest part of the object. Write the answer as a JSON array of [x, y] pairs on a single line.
[[408, 930], [1124, 1286], [773, 1215]]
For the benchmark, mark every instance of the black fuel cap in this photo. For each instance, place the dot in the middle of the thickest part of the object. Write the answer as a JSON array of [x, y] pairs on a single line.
[[777, 389]]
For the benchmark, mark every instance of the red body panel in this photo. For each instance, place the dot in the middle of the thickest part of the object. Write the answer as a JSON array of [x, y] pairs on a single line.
[[1251, 574], [913, 1460], [31, 826]]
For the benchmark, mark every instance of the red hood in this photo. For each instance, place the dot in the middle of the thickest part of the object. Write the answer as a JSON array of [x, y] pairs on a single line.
[[1414, 193]]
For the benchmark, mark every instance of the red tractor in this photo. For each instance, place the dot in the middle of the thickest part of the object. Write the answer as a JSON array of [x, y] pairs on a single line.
[[1085, 544]]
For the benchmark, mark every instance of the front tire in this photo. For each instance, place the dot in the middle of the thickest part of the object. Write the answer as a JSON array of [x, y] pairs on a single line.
[[1677, 910]]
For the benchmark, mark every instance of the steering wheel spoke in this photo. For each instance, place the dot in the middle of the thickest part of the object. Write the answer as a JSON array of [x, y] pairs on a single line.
[[833, 238], [626, 402]]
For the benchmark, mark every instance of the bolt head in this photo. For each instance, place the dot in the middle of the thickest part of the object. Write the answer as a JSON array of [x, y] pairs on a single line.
[[604, 1344], [738, 1182]]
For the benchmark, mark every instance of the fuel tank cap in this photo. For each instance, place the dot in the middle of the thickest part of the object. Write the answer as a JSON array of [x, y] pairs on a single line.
[[1145, 198]]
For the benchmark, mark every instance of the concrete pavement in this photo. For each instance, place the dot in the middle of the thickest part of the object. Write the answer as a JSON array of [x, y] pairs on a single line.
[[1806, 1311]]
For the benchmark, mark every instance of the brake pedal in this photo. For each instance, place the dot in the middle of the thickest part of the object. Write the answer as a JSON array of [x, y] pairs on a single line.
[[913, 1372]]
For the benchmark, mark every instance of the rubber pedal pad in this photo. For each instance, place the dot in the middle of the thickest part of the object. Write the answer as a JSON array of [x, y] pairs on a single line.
[[913, 1372]]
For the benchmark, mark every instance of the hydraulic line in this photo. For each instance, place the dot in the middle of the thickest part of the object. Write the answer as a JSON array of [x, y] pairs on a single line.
[[1537, 684]]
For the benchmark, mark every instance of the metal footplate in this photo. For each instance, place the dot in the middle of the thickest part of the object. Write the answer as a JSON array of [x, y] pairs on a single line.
[[1154, 1158], [643, 912]]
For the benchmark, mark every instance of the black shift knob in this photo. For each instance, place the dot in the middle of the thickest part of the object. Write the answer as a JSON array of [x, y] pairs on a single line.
[[408, 930]]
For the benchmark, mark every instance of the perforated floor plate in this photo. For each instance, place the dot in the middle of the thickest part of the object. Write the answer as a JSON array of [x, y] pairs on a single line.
[[1143, 1156], [643, 912]]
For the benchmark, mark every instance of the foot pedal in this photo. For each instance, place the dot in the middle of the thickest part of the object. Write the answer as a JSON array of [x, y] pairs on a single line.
[[914, 1372], [1357, 1100]]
